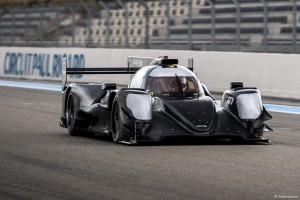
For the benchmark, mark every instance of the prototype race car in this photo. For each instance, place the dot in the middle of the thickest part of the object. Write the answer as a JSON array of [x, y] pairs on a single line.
[[163, 99]]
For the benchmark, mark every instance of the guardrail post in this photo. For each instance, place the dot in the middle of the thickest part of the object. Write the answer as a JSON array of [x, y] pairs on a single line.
[[3, 11], [121, 3], [41, 29], [71, 10], [294, 28], [146, 13], [190, 23], [168, 24], [166, 3], [238, 24], [13, 27], [27, 27], [88, 26], [265, 40], [56, 24], [213, 22], [107, 33]]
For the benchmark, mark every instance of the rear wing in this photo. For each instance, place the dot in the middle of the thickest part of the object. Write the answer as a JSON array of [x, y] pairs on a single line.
[[133, 61], [105, 70], [133, 65]]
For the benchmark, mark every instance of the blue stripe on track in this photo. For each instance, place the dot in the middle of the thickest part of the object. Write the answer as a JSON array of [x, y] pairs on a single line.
[[52, 87], [40, 86], [283, 109]]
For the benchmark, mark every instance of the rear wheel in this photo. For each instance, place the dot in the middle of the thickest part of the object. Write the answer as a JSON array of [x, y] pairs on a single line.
[[117, 130], [71, 121]]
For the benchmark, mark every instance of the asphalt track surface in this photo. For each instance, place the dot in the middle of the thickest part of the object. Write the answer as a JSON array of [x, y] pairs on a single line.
[[39, 160]]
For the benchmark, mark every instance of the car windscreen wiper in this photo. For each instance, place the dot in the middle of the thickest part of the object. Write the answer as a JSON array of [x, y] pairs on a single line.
[[179, 84]]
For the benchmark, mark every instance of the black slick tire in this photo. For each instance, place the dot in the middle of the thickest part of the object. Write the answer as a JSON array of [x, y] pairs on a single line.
[[117, 130], [70, 115]]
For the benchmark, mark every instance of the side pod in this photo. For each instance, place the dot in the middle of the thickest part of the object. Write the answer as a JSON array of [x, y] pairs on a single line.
[[246, 105]]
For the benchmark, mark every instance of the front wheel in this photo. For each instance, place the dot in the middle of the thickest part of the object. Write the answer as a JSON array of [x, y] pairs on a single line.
[[117, 130]]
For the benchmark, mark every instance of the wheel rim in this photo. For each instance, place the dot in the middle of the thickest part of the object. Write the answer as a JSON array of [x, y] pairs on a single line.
[[70, 114], [115, 124]]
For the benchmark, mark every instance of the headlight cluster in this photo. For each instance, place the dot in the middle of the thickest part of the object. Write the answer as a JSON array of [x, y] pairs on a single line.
[[249, 106], [140, 106]]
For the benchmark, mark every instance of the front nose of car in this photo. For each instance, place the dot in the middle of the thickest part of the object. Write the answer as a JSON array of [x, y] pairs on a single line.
[[198, 114]]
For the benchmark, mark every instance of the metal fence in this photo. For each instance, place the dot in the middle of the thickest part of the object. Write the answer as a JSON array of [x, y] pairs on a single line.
[[212, 25]]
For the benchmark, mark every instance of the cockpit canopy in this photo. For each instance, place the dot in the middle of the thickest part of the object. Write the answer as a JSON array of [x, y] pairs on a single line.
[[159, 79]]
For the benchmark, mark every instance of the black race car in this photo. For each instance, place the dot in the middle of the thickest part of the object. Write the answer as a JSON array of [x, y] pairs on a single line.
[[163, 99]]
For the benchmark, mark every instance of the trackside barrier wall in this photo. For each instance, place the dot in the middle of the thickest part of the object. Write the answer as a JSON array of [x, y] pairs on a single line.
[[276, 75]]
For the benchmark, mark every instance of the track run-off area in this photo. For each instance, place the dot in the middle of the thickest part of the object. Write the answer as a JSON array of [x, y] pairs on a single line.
[[39, 160]]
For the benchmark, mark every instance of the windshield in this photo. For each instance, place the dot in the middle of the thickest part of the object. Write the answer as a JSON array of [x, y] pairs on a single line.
[[159, 85]]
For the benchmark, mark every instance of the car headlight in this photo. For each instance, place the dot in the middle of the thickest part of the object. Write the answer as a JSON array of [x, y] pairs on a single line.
[[249, 106], [140, 106]]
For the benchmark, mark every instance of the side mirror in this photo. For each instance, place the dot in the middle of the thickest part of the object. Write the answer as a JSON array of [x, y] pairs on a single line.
[[109, 86]]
